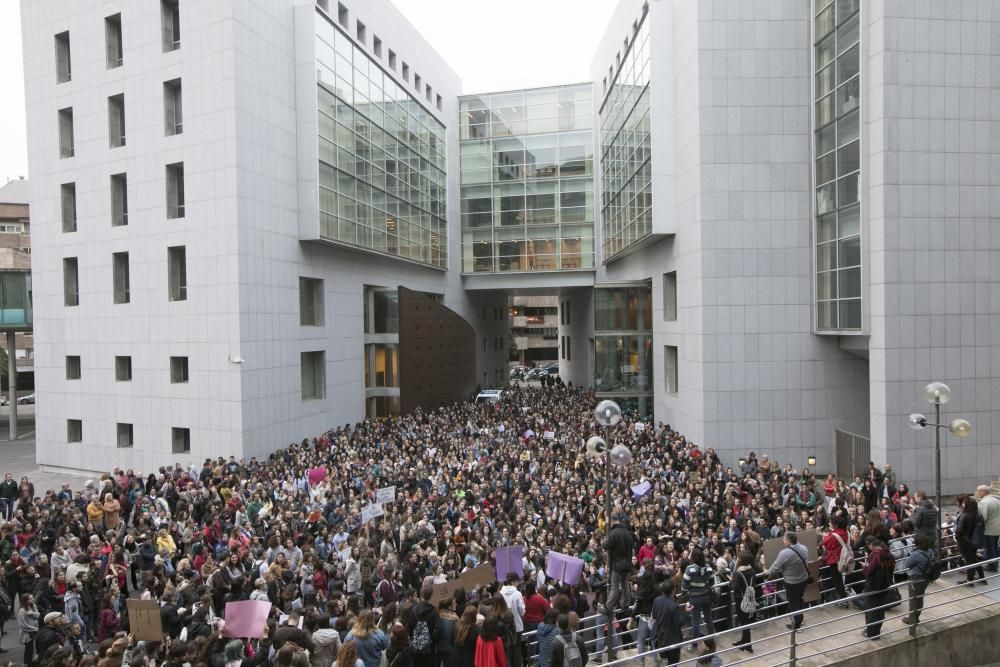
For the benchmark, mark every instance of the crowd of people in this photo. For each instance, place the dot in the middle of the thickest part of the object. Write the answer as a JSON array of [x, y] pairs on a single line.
[[469, 478]]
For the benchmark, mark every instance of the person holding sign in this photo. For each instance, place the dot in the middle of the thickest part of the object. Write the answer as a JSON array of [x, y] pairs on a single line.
[[792, 567]]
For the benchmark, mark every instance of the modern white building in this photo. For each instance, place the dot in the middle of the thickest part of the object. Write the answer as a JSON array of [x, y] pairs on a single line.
[[775, 223]]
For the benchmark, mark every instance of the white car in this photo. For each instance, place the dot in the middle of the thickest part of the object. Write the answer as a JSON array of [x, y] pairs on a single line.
[[26, 400], [489, 396]]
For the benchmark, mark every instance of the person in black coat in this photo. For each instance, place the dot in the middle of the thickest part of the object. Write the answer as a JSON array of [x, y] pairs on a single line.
[[744, 578], [667, 622], [169, 618], [965, 528], [50, 634], [621, 547]]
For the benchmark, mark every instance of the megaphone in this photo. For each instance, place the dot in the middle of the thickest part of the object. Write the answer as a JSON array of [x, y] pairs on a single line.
[[596, 447]]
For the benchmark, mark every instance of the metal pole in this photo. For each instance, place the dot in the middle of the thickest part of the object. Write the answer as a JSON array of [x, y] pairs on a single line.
[[937, 474], [12, 382], [609, 650], [791, 647]]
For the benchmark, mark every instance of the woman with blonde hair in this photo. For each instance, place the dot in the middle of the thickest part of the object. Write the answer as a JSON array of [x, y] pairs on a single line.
[[369, 640], [347, 656]]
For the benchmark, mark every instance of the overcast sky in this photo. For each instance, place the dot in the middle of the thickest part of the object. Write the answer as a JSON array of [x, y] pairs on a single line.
[[492, 46]]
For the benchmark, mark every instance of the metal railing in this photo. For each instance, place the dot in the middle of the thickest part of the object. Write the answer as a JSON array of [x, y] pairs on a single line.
[[593, 628], [791, 649]]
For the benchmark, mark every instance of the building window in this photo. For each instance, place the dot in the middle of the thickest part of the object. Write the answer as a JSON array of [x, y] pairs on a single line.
[[175, 190], [313, 375], [342, 17], [178, 370], [670, 296], [123, 369], [417, 82], [392, 60], [310, 302], [66, 132], [569, 348], [428, 92], [67, 192], [64, 69], [116, 121], [113, 40], [172, 107], [406, 72], [11, 228], [119, 261], [177, 273], [440, 103], [73, 367], [119, 200], [74, 430], [362, 32], [180, 439], [323, 4], [377, 46], [670, 368], [71, 282], [171, 22], [562, 347], [125, 435]]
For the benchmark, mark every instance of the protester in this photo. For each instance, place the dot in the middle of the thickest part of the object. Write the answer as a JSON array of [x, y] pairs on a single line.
[[878, 571], [791, 565], [668, 619]]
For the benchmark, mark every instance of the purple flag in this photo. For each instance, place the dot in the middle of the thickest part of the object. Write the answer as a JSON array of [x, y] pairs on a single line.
[[246, 619], [640, 490], [509, 560], [561, 567], [316, 475]]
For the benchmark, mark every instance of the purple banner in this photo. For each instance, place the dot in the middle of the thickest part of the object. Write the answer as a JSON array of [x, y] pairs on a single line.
[[508, 560], [640, 490], [561, 567]]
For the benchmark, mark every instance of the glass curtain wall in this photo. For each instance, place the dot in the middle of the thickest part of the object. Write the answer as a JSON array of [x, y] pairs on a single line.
[[838, 165], [527, 180], [382, 158], [626, 171], [623, 346]]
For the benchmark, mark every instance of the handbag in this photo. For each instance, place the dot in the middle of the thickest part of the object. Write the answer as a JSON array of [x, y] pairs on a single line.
[[748, 605], [811, 579]]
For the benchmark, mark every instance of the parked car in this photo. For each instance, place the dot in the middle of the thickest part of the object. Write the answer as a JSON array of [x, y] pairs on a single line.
[[517, 372], [26, 400], [489, 396]]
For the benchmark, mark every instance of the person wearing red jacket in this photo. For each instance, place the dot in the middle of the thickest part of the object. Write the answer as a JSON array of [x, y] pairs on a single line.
[[878, 578], [647, 550], [832, 544], [535, 607]]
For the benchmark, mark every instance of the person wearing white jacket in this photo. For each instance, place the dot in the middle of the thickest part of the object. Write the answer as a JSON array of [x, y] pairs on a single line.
[[515, 602], [989, 510]]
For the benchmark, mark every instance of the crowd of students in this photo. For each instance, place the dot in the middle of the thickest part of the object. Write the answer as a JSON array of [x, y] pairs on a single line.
[[468, 478]]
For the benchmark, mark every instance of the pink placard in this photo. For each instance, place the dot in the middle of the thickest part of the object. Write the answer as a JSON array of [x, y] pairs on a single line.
[[316, 475], [246, 619]]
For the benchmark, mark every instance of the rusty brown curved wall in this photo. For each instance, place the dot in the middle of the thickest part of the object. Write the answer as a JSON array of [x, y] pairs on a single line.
[[437, 353]]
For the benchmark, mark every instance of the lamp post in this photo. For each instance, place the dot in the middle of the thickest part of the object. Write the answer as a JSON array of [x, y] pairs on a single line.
[[937, 394], [608, 414]]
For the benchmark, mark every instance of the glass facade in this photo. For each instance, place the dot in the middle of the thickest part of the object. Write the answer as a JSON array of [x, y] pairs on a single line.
[[838, 164], [15, 299], [527, 180], [381, 315], [623, 346], [626, 170], [382, 183]]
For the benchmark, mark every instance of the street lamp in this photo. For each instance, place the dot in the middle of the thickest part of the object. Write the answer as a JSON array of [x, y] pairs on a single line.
[[608, 414], [937, 394]]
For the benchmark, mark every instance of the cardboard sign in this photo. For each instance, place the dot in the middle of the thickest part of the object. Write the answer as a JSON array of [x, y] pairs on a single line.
[[561, 567], [370, 512], [481, 575], [508, 560], [807, 538], [246, 619], [316, 475], [144, 620], [812, 592], [639, 490], [386, 494], [549, 435]]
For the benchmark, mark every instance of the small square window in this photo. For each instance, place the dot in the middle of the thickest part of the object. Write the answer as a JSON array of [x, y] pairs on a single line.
[[125, 439], [73, 367], [178, 369], [670, 296], [67, 194], [342, 17], [74, 430], [170, 22], [64, 70], [392, 59], [113, 40], [417, 81], [428, 92], [180, 439], [377, 46], [123, 369], [361, 32], [670, 368], [310, 302], [313, 372], [440, 103], [406, 72]]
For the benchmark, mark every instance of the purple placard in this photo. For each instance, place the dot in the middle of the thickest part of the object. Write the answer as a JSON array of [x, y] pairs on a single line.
[[561, 567], [508, 560], [639, 490]]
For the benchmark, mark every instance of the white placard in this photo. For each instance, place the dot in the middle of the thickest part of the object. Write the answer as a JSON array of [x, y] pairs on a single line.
[[370, 512], [549, 435], [386, 494]]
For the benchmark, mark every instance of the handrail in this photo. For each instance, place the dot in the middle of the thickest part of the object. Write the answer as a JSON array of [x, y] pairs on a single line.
[[811, 610]]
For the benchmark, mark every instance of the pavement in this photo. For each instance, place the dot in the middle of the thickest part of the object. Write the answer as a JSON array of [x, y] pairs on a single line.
[[18, 457]]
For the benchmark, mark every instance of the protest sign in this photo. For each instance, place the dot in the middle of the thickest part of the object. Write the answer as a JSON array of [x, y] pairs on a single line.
[[370, 512], [561, 567], [144, 620], [549, 435], [474, 578], [316, 475], [386, 494], [807, 538], [639, 490], [246, 619], [508, 560]]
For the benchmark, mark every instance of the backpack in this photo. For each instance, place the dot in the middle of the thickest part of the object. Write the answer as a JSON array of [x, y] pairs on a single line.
[[748, 605], [571, 652], [933, 569], [845, 563], [421, 640], [380, 599]]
